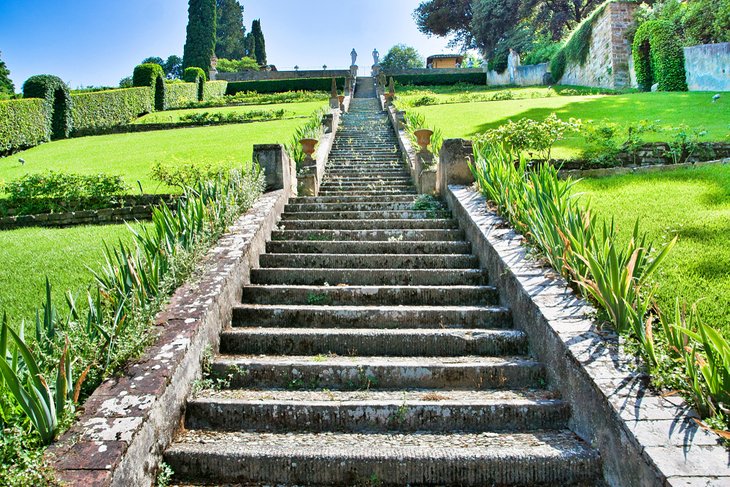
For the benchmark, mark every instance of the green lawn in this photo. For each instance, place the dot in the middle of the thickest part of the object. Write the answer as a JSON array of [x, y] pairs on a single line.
[[466, 120], [693, 204], [291, 110], [133, 155], [30, 254]]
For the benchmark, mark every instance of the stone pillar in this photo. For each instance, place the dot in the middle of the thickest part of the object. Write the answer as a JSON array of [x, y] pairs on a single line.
[[334, 100], [453, 167], [353, 71], [276, 165], [328, 121]]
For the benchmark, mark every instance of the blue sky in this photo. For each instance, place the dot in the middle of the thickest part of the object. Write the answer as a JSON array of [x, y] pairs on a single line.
[[99, 42]]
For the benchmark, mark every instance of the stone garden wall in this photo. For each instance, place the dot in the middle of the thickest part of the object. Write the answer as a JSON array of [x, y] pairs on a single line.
[[416, 72], [607, 63], [527, 75], [708, 67], [269, 75]]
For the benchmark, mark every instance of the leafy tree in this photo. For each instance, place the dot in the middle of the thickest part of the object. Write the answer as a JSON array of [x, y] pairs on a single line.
[[237, 66], [126, 82], [249, 45], [401, 56], [153, 60], [200, 40], [229, 30], [260, 43], [6, 84], [446, 18], [173, 67]]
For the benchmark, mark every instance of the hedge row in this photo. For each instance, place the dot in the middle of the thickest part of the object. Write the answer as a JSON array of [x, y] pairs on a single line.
[[659, 57], [105, 109], [440, 79], [284, 85], [24, 123], [214, 89], [178, 95]]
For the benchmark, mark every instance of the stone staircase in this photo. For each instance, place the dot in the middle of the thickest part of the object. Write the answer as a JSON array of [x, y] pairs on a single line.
[[369, 350]]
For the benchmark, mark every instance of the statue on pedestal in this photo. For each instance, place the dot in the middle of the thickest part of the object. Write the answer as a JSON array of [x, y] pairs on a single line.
[[376, 57], [353, 55], [513, 62]]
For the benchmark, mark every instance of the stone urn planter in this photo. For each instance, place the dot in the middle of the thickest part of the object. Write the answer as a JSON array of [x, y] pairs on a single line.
[[341, 99], [424, 138], [308, 146], [389, 98]]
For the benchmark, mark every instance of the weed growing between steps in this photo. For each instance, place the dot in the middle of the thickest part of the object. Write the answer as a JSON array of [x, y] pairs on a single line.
[[429, 204], [42, 379], [680, 352]]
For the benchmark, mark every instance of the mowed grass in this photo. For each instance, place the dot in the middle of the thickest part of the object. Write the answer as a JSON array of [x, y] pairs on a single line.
[[291, 110], [63, 254], [693, 204], [696, 110], [132, 156]]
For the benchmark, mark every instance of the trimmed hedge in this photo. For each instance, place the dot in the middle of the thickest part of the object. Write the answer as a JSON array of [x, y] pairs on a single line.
[[283, 85], [214, 89], [178, 95], [197, 76], [23, 124], [659, 57], [97, 111], [58, 102], [440, 79], [151, 74]]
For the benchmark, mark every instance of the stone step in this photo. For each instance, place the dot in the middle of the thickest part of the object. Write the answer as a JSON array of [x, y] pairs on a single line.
[[281, 411], [374, 179], [364, 172], [369, 235], [365, 373], [353, 199], [367, 224], [372, 295], [315, 316], [385, 459], [367, 186], [359, 206], [369, 277], [355, 247], [452, 342], [370, 261], [366, 215], [368, 192]]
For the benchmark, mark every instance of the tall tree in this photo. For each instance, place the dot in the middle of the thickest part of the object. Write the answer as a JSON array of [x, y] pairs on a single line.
[[230, 31], [401, 56], [260, 46], [200, 41], [249, 45], [173, 67], [446, 18], [6, 84]]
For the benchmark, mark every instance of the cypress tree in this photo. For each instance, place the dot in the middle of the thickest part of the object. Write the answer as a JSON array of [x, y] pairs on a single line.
[[230, 31], [6, 84], [200, 42], [249, 45], [260, 46]]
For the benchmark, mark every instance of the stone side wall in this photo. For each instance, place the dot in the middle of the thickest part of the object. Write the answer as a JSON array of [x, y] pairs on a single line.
[[269, 75], [527, 75], [708, 67], [607, 64], [400, 72]]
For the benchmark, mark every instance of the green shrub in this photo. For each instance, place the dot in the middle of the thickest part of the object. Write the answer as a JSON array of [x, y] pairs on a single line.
[[58, 102], [59, 192], [659, 57], [440, 79], [557, 66], [206, 118], [283, 85], [23, 123], [197, 76], [151, 75], [237, 65], [213, 90], [179, 95], [105, 109]]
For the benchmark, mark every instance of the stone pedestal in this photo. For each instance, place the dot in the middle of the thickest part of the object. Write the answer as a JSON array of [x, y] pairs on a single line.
[[453, 167], [328, 121], [353, 71], [375, 70], [276, 164]]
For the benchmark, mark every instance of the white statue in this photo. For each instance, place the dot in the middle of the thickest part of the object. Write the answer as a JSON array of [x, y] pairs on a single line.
[[513, 62], [376, 57], [353, 55]]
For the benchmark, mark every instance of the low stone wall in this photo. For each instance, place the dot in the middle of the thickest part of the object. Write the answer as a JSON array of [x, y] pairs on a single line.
[[527, 75], [271, 75], [615, 171], [129, 421], [644, 439], [708, 67], [421, 166], [416, 72]]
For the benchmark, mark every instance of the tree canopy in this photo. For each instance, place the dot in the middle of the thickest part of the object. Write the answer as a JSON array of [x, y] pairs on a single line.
[[259, 45], [401, 56], [6, 84], [201, 34], [230, 31]]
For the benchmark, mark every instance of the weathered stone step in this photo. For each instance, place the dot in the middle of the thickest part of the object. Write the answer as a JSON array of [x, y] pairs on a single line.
[[344, 247], [376, 411], [364, 373], [368, 224], [372, 295], [375, 179], [452, 342], [359, 206], [364, 172], [377, 169], [370, 261], [353, 199], [369, 192], [369, 277], [371, 235], [390, 459], [314, 316], [366, 215]]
